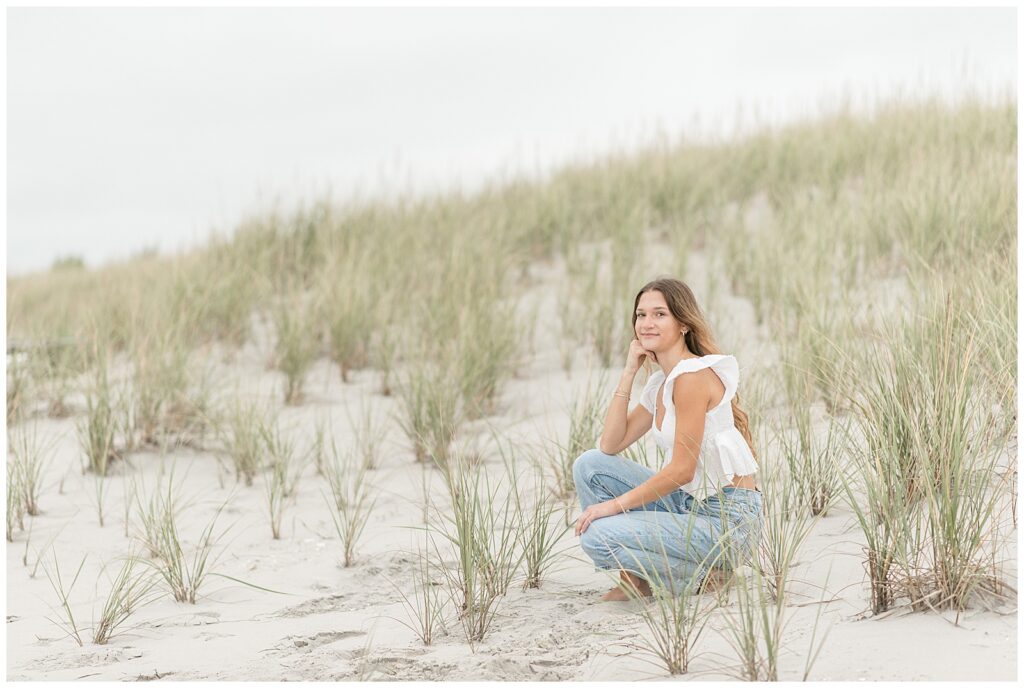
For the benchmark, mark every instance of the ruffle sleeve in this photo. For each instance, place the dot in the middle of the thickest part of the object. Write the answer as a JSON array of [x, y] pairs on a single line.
[[725, 365], [648, 397], [734, 453]]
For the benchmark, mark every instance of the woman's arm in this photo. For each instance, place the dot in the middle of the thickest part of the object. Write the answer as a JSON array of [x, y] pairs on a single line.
[[691, 397], [615, 422], [637, 424], [619, 430]]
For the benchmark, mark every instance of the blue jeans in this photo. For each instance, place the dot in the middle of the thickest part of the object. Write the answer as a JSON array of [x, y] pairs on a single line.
[[672, 542]]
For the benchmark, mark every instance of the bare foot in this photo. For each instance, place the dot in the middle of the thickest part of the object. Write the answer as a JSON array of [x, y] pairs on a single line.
[[715, 580], [615, 595], [637, 584]]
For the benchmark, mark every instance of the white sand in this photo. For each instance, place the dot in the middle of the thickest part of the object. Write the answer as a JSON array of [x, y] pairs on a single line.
[[336, 623]]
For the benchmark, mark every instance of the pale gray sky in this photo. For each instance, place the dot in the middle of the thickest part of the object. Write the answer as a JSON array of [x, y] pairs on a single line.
[[130, 128]]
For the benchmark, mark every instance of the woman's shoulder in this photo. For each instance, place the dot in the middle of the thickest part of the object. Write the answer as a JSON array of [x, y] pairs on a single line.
[[724, 366], [690, 365]]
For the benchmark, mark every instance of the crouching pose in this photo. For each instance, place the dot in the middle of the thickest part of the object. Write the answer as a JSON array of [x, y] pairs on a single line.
[[701, 512]]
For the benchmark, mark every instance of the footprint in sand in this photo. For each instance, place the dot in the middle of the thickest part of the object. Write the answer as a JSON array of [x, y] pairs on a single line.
[[307, 643], [331, 603]]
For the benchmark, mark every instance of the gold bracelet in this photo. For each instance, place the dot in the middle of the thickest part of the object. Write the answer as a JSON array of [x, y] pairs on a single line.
[[622, 394]]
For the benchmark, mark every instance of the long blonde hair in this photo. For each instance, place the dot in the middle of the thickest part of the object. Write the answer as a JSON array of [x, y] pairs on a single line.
[[683, 306]]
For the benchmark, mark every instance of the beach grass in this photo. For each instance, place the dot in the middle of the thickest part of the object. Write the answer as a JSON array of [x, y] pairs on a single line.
[[15, 501], [754, 627], [297, 342], [318, 447], [159, 380], [283, 473], [98, 431], [425, 612], [674, 618], [481, 530], [350, 311], [132, 587], [929, 458], [99, 496], [586, 414], [812, 461], [958, 442], [431, 411], [351, 499], [183, 574], [369, 431], [19, 384], [675, 622], [32, 453], [59, 364], [786, 523], [240, 428], [540, 529], [65, 615], [677, 611]]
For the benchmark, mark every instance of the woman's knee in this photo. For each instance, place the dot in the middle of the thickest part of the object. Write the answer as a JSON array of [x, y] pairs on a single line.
[[603, 546], [586, 462], [590, 545], [595, 540]]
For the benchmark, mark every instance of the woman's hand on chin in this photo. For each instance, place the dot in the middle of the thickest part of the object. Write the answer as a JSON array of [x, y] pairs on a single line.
[[636, 355]]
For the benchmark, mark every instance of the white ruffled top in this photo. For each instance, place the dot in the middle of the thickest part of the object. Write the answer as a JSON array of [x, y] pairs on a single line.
[[723, 451]]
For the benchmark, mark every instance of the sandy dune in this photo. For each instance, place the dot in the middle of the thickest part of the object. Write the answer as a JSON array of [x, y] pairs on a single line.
[[334, 623]]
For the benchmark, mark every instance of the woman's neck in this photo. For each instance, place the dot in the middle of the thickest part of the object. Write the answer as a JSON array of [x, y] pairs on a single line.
[[670, 360]]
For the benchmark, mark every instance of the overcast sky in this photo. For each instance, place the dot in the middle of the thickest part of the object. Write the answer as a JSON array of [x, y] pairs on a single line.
[[136, 128]]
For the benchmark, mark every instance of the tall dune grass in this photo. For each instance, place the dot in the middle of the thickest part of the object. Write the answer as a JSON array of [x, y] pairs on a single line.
[[425, 611], [674, 620], [100, 490], [21, 372], [369, 431], [31, 454], [160, 380], [383, 356], [892, 180], [132, 587], [813, 462], [866, 176], [535, 516], [297, 330], [65, 616], [431, 410], [351, 499], [586, 413], [787, 522], [59, 365], [481, 530], [240, 429], [756, 627], [283, 474], [932, 440], [183, 573], [958, 441], [15, 502], [98, 431]]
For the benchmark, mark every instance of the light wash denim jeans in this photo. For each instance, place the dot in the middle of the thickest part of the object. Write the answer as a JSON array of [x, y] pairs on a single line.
[[672, 542]]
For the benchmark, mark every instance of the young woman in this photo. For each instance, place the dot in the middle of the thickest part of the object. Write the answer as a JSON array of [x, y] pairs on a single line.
[[701, 512]]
